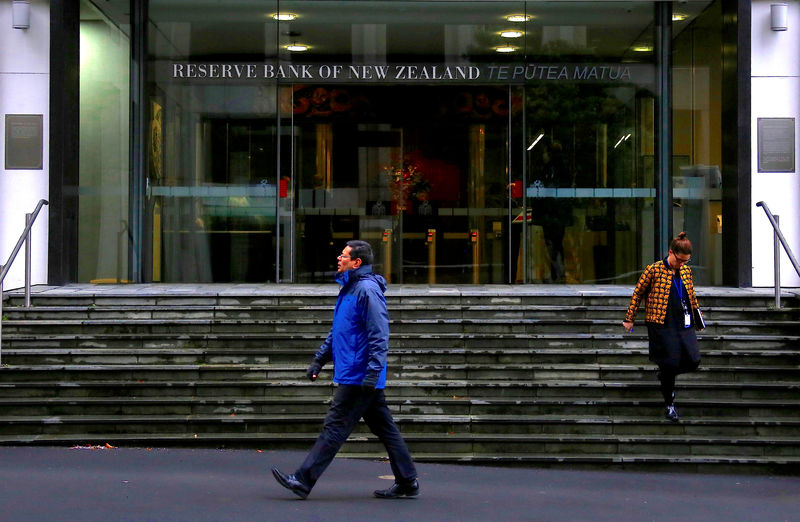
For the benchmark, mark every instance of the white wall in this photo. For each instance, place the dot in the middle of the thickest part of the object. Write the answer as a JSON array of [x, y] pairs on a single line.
[[775, 87], [24, 89]]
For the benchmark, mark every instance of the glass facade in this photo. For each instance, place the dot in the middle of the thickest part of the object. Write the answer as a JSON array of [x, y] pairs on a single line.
[[103, 196], [697, 138], [472, 142]]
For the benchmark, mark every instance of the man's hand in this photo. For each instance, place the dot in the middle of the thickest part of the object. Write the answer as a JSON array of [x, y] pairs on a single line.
[[313, 370], [628, 326], [370, 382]]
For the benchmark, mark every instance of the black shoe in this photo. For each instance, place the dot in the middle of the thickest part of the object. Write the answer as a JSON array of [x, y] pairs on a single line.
[[291, 483], [399, 490], [670, 413]]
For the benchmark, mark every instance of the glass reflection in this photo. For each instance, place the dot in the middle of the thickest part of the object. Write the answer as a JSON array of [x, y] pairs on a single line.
[[544, 177], [697, 138], [103, 239], [589, 183], [419, 172], [212, 179]]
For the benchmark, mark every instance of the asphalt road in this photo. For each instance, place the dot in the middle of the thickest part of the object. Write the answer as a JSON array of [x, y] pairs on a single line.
[[120, 484]]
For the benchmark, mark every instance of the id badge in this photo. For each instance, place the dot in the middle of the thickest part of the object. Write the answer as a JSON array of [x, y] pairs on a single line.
[[687, 318]]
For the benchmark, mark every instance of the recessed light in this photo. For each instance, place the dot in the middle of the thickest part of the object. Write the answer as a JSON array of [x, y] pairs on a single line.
[[679, 17], [297, 47], [532, 145], [506, 48], [284, 17], [511, 33], [642, 49], [518, 17]]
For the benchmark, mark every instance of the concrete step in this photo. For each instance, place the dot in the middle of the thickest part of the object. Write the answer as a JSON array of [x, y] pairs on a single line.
[[485, 326], [484, 389], [491, 373], [700, 463], [724, 431], [31, 355], [428, 447], [311, 295], [397, 312], [451, 372], [310, 341], [644, 405]]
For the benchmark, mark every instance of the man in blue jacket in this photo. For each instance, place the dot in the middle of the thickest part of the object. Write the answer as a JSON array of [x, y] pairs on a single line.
[[357, 344]]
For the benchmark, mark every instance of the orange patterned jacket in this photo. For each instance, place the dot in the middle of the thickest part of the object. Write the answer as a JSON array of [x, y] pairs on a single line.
[[654, 286]]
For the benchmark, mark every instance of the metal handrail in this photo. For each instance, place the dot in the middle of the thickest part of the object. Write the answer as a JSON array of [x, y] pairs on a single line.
[[778, 237], [24, 238]]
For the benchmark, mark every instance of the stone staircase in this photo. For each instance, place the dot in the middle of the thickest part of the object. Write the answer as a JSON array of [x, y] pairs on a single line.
[[493, 374]]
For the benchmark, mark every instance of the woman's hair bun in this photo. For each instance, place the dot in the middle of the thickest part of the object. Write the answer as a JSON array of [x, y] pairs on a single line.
[[682, 235]]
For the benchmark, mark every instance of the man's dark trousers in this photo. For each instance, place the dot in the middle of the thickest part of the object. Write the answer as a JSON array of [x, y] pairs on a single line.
[[350, 404]]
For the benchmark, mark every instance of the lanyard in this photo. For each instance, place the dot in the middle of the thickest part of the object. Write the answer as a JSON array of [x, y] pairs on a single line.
[[678, 286], [679, 290]]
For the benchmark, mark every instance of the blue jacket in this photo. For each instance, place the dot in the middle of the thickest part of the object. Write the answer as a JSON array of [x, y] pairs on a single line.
[[359, 338]]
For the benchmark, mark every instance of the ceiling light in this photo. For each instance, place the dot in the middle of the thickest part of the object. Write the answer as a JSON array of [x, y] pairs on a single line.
[[511, 33], [297, 47], [643, 49], [540, 136], [679, 17], [506, 48], [518, 17], [623, 138], [284, 17]]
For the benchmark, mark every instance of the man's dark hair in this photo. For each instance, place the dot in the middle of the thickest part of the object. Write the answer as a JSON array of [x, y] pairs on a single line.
[[361, 250]]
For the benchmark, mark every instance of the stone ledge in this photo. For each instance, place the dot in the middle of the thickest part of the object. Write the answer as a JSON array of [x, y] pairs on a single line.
[[404, 419], [249, 289]]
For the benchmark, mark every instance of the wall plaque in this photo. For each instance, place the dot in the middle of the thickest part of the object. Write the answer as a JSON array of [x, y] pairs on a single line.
[[776, 144], [24, 142]]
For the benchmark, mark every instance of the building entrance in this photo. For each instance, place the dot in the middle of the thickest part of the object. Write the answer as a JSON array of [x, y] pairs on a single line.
[[421, 172], [464, 184], [471, 142], [474, 184]]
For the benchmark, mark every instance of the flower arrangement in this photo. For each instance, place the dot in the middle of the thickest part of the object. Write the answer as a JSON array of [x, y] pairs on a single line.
[[405, 180]]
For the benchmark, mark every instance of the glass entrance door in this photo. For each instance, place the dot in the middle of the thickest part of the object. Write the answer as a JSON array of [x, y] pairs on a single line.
[[589, 184], [216, 221], [420, 172]]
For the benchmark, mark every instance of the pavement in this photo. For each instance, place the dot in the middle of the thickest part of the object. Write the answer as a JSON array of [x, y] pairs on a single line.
[[154, 484]]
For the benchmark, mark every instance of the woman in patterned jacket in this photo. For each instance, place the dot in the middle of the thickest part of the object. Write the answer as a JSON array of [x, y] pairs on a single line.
[[671, 313]]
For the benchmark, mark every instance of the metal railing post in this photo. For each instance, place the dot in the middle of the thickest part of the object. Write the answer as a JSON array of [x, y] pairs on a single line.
[[24, 238], [776, 248], [28, 261], [779, 239], [21, 240]]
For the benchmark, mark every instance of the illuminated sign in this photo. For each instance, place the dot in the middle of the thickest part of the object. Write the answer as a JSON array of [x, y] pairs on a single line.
[[408, 73]]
